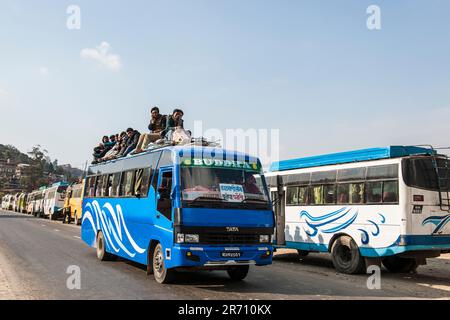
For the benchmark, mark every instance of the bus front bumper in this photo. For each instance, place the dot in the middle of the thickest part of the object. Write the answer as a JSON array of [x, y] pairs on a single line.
[[218, 257]]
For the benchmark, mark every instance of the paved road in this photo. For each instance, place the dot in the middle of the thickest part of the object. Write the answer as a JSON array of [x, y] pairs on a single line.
[[35, 255]]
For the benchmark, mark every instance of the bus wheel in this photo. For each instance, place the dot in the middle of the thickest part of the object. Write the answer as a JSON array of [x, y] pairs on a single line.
[[102, 255], [160, 272], [302, 253], [400, 265], [346, 256], [238, 273]]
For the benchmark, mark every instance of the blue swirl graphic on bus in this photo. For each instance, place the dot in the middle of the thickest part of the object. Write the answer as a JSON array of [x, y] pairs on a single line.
[[112, 224], [343, 218], [438, 221], [332, 217]]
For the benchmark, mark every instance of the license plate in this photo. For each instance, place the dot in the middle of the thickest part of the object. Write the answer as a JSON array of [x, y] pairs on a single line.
[[231, 255]]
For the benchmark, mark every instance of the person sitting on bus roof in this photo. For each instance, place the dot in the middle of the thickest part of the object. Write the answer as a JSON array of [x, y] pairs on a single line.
[[114, 152], [102, 149], [174, 121], [133, 138], [157, 125]]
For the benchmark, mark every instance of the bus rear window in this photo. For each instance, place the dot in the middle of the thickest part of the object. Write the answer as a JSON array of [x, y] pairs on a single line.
[[420, 173]]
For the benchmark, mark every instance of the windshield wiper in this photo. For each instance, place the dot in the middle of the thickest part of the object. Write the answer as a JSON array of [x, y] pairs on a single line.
[[255, 200], [202, 200]]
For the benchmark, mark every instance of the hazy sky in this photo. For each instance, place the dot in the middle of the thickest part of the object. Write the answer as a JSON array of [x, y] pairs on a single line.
[[309, 68]]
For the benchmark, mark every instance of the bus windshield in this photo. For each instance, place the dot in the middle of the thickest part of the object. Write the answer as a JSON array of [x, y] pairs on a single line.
[[420, 173], [232, 187]]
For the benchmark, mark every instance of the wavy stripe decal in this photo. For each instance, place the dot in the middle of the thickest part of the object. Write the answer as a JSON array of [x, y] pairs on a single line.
[[439, 221], [338, 220], [112, 223]]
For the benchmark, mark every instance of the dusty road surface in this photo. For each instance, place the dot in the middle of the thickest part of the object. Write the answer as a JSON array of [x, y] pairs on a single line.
[[35, 255]]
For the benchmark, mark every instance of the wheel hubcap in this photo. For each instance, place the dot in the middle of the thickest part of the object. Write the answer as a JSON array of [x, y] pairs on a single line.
[[345, 254], [158, 262]]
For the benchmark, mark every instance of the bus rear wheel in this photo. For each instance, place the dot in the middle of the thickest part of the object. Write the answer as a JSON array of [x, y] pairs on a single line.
[[102, 254], [346, 256], [302, 253], [400, 265], [238, 273], [160, 272]]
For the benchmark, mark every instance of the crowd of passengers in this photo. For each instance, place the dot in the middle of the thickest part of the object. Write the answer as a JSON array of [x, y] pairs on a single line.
[[162, 129]]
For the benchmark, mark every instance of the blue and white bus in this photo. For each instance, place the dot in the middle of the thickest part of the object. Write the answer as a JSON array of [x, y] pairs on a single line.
[[381, 205], [179, 207]]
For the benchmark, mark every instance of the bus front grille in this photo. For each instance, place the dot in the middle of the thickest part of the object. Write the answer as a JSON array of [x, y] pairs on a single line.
[[224, 238]]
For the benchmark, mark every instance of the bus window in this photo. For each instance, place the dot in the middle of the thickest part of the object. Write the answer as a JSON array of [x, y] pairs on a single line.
[[114, 192], [107, 185], [323, 176], [127, 184], [295, 179], [357, 193], [329, 194], [99, 188], [420, 173], [292, 196], [374, 191], [382, 172], [76, 193], [352, 174], [302, 195], [316, 194], [51, 194], [165, 189], [90, 185], [343, 192], [142, 182], [390, 191]]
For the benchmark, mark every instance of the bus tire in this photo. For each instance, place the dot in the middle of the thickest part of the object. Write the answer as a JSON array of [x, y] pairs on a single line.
[[346, 256], [400, 265], [238, 273], [160, 272], [302, 253], [102, 254]]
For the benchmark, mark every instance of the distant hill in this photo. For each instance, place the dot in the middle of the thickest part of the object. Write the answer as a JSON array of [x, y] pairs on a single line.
[[13, 154], [20, 171]]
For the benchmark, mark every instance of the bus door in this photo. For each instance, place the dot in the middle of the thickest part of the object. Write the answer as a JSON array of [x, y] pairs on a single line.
[[164, 192]]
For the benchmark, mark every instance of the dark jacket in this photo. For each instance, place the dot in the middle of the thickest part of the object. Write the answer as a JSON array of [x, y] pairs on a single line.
[[133, 140], [158, 125]]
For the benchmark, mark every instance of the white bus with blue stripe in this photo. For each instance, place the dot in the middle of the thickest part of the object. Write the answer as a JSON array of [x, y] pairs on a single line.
[[380, 205]]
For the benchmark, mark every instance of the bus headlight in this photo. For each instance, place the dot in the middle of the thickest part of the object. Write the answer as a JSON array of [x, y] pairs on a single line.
[[191, 238], [180, 237], [264, 238]]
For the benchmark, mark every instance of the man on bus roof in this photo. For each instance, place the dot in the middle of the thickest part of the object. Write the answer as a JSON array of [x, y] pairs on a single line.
[[157, 125]]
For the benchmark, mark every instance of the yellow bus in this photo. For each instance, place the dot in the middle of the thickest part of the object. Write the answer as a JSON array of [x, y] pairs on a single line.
[[72, 204]]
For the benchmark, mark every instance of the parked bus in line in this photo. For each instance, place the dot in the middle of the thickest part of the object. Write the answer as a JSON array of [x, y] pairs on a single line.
[[180, 208], [7, 202], [36, 204], [22, 202], [31, 201], [54, 200], [15, 202], [382, 205], [72, 210]]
